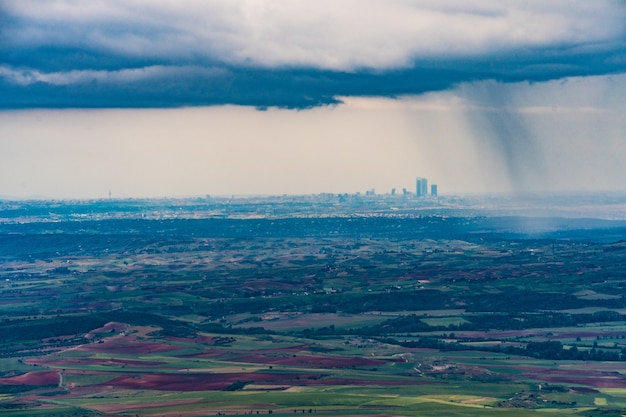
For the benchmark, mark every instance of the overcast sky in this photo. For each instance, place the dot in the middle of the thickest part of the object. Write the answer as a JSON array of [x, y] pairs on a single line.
[[160, 98]]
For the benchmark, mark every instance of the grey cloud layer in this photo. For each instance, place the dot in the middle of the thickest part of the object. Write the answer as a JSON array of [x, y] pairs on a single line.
[[293, 52]]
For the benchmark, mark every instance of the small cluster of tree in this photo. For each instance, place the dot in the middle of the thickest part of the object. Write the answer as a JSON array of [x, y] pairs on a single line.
[[236, 386]]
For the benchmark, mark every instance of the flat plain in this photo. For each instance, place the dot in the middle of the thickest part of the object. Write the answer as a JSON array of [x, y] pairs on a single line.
[[327, 305]]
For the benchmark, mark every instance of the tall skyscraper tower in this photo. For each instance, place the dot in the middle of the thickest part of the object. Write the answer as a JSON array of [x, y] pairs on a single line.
[[421, 187], [433, 190]]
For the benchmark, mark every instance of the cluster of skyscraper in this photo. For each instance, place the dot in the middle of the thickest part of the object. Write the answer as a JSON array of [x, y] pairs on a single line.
[[421, 187]]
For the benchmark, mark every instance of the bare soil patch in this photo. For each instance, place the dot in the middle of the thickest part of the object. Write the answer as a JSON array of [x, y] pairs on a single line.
[[33, 378], [588, 377], [209, 381], [124, 345]]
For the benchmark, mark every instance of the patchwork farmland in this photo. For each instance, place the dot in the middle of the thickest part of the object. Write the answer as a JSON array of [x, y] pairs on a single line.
[[123, 312]]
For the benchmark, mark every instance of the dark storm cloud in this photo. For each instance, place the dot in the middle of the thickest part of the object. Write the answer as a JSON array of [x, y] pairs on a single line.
[[294, 53]]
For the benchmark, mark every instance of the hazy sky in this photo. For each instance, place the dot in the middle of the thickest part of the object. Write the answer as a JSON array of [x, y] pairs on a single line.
[[160, 98]]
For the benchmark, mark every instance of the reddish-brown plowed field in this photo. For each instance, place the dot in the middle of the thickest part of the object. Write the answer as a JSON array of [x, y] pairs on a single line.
[[588, 377], [202, 382], [33, 378], [122, 345], [595, 382], [310, 360], [90, 361]]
